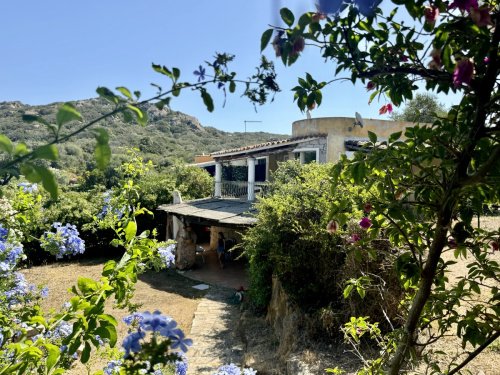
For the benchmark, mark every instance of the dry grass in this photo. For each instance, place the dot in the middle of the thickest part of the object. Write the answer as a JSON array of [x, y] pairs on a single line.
[[165, 291]]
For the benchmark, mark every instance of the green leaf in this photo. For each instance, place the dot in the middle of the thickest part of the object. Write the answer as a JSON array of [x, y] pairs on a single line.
[[87, 285], [6, 144], [176, 73], [142, 117], [287, 16], [67, 113], [47, 152], [372, 136], [126, 92], [52, 357], [347, 290], [232, 87], [130, 230], [86, 353], [21, 149], [361, 291], [394, 137], [207, 100], [107, 94], [265, 39], [162, 70]]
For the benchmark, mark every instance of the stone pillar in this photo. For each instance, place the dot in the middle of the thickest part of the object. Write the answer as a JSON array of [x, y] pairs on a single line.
[[185, 253], [218, 179], [176, 223], [251, 178], [302, 158]]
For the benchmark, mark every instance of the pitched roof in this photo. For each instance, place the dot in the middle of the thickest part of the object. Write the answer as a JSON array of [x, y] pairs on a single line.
[[267, 145]]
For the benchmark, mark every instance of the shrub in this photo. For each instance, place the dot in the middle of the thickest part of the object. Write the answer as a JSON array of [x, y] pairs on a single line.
[[313, 264]]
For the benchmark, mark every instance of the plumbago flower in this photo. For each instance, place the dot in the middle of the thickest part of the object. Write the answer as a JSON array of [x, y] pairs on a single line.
[[232, 369], [65, 241], [149, 344], [167, 255]]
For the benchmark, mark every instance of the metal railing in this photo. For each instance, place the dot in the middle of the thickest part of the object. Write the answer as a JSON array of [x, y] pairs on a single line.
[[239, 189]]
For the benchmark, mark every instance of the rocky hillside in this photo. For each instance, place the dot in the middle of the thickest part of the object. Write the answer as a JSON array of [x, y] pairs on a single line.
[[169, 136]]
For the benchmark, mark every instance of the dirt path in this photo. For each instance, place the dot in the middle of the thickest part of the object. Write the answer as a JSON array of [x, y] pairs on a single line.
[[165, 291]]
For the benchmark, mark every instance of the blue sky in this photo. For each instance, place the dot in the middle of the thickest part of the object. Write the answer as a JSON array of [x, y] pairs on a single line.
[[57, 50]]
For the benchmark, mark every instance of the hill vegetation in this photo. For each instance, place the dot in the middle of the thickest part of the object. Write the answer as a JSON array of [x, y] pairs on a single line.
[[170, 136]]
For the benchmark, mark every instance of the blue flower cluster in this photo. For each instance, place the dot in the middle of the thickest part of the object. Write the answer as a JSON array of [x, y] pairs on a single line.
[[156, 323], [65, 241], [167, 255], [232, 369], [181, 366], [113, 367], [27, 187], [10, 253], [108, 207]]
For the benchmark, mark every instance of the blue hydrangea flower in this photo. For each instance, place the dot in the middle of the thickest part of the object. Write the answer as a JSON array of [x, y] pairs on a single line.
[[230, 369], [167, 255], [3, 233], [181, 366], [65, 241], [63, 330], [44, 292], [113, 367], [27, 187]]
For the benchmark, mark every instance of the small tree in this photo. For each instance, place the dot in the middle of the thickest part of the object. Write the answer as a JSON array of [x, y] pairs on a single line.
[[432, 182], [424, 108]]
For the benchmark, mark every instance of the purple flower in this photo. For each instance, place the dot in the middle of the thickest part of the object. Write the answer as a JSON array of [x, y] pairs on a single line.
[[200, 73], [464, 70], [27, 187], [463, 5], [354, 238], [365, 223]]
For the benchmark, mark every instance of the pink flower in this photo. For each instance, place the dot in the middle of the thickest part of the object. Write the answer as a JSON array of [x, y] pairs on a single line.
[[404, 58], [481, 16], [332, 226], [365, 223], [463, 5], [464, 70], [370, 86], [486, 60], [367, 207], [385, 109], [431, 14], [354, 238], [298, 45]]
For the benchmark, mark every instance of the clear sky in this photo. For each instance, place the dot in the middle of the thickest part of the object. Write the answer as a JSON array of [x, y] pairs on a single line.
[[56, 50]]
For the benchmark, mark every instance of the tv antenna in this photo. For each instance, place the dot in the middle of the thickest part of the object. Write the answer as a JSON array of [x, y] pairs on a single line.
[[248, 121]]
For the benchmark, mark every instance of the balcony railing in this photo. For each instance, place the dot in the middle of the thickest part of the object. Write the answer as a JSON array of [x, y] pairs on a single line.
[[239, 189]]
